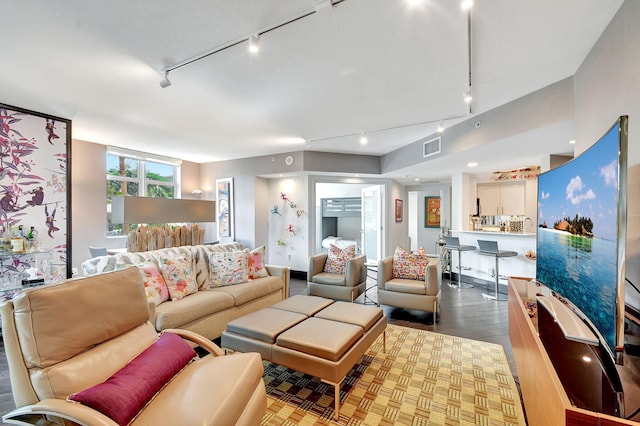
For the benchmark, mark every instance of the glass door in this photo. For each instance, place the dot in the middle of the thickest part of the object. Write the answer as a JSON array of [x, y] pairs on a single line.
[[372, 222]]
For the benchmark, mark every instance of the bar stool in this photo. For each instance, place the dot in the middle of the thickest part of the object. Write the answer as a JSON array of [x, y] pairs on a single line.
[[490, 248], [453, 243]]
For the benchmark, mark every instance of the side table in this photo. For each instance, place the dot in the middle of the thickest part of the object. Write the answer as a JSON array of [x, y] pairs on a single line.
[[372, 272]]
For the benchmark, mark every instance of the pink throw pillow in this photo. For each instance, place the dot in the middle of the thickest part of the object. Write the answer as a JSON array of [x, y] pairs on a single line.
[[409, 266], [256, 263], [179, 276], [337, 259], [123, 395], [154, 284]]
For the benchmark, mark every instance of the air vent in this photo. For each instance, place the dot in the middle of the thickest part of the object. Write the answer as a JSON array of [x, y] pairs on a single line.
[[431, 147]]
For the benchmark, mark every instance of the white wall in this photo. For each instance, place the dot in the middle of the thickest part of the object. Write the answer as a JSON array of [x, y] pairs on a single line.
[[294, 253], [420, 235], [607, 85]]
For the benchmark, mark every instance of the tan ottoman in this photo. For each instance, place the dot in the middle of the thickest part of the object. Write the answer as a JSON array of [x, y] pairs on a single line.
[[326, 345]]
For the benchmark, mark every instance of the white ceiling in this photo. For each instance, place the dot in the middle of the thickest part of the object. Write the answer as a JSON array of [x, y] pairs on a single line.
[[363, 65]]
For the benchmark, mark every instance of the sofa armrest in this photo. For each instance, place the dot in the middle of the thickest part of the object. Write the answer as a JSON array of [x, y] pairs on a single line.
[[356, 271], [284, 273], [433, 277], [198, 339], [316, 264], [73, 411], [385, 271]]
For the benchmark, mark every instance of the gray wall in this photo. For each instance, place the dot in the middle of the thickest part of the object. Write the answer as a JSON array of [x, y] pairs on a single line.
[[607, 85]]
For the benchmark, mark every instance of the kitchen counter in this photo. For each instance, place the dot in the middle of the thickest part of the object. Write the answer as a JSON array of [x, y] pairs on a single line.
[[479, 268], [522, 234]]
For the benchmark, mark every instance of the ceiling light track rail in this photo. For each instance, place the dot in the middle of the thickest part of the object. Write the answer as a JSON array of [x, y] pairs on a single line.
[[218, 49]]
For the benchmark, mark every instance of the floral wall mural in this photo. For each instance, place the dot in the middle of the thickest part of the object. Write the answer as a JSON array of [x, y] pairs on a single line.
[[34, 193]]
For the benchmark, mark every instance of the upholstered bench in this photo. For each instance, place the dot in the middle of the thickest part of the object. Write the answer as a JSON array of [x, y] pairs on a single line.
[[310, 334]]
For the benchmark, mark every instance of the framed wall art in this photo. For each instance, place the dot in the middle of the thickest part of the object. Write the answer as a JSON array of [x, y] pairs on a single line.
[[398, 210], [36, 196], [224, 206], [431, 212]]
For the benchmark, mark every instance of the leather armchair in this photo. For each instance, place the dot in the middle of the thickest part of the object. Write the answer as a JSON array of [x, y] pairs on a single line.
[[64, 338], [337, 286], [410, 294]]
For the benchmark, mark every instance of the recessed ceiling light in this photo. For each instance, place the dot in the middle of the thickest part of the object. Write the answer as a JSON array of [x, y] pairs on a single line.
[[472, 164], [363, 139], [572, 141]]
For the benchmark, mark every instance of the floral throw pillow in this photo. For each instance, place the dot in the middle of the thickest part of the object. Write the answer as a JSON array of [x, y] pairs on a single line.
[[256, 263], [154, 284], [409, 266], [337, 259], [228, 268], [179, 275]]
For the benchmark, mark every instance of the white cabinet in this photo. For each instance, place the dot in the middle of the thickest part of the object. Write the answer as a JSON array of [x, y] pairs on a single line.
[[502, 198]]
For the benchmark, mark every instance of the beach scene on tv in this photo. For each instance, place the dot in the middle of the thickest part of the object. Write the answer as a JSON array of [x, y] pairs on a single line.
[[577, 232]]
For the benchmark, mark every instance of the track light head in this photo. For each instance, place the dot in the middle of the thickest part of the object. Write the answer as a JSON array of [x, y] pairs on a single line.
[[468, 97], [441, 126], [466, 4], [164, 83], [254, 43]]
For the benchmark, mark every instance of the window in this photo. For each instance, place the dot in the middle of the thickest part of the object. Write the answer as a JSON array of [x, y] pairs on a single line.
[[138, 174]]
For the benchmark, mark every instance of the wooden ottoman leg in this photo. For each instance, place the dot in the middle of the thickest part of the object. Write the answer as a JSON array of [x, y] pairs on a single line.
[[336, 389]]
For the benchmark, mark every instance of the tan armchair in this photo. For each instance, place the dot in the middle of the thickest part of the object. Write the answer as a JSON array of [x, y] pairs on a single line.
[[410, 294], [337, 286], [64, 338]]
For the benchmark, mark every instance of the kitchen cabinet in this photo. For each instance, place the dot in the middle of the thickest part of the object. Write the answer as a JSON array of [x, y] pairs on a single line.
[[502, 198]]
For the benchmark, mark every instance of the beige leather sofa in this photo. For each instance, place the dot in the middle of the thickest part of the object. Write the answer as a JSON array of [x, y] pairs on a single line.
[[65, 338], [337, 286], [410, 294], [208, 311]]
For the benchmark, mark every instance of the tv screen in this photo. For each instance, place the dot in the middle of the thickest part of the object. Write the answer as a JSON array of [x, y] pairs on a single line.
[[581, 234]]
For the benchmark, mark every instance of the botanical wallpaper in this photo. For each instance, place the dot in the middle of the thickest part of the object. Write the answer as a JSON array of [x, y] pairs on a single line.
[[33, 187]]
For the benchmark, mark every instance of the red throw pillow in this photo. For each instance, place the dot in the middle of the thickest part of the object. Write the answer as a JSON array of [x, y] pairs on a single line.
[[122, 396]]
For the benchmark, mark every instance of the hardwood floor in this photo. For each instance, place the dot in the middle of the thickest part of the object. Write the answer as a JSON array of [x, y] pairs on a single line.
[[464, 313]]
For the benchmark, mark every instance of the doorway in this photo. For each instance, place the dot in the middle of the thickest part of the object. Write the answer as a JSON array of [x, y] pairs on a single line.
[[350, 213]]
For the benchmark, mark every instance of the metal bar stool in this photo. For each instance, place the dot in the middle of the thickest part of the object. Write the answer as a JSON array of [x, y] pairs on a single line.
[[453, 243], [490, 248]]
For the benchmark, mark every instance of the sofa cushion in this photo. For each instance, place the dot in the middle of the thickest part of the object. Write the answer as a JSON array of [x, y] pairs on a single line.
[[126, 392], [256, 263], [154, 285], [410, 266], [230, 383], [192, 308], [229, 268], [249, 291], [179, 276], [337, 259]]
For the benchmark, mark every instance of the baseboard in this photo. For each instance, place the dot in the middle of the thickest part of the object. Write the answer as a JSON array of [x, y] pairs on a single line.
[[298, 275]]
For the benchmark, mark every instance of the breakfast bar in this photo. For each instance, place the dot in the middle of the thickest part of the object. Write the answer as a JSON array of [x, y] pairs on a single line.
[[479, 269]]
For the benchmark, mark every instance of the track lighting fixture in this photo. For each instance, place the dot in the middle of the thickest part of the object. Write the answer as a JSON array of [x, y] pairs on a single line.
[[254, 43], [468, 97], [363, 138], [165, 82], [308, 145], [466, 4], [441, 126]]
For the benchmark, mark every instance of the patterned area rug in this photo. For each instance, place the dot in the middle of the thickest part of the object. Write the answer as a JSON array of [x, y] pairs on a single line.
[[425, 378]]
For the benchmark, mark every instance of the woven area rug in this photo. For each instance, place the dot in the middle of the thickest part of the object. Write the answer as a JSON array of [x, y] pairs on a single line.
[[425, 378]]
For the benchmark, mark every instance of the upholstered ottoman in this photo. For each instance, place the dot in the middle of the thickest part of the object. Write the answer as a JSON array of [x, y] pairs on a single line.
[[310, 334]]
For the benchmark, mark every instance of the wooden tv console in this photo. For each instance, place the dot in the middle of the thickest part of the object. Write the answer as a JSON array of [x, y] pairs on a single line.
[[545, 400]]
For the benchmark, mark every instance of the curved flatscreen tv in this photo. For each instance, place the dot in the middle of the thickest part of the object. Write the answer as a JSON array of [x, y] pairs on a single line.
[[581, 234]]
